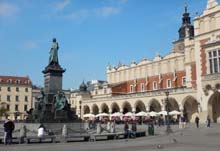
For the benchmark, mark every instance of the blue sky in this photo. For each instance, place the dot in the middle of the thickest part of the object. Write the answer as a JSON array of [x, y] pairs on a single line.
[[91, 34]]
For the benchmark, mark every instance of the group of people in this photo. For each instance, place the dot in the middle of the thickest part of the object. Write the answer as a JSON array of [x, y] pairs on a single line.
[[9, 127], [208, 121], [130, 133]]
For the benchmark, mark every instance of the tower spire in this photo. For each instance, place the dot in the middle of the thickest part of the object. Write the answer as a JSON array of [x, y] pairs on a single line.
[[211, 4], [186, 24], [185, 6]]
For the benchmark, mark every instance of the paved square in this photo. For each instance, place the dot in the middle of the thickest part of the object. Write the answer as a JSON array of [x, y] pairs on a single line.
[[189, 139]]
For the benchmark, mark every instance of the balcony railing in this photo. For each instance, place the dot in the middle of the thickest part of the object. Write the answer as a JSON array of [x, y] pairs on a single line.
[[211, 77]]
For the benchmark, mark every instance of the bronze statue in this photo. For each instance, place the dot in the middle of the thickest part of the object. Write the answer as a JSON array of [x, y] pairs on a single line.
[[53, 59], [60, 101]]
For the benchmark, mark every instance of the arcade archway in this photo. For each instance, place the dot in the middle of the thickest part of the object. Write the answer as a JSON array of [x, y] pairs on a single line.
[[104, 108], [95, 109], [115, 107], [190, 108], [154, 106], [214, 107], [139, 106], [126, 107], [172, 104], [86, 109]]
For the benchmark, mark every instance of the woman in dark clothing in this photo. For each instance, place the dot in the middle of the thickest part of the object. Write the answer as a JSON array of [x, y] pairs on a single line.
[[8, 128]]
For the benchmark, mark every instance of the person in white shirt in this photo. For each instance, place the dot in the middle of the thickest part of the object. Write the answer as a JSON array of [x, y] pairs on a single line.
[[41, 131]]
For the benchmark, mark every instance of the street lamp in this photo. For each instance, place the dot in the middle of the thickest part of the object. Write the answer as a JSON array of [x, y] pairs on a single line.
[[80, 102], [168, 130]]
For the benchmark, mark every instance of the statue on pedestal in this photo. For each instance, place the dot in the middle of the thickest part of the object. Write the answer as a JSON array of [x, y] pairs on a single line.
[[53, 59]]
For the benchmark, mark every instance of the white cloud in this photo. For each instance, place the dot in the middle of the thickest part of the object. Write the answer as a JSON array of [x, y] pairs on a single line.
[[7, 9], [107, 11], [80, 14], [61, 5]]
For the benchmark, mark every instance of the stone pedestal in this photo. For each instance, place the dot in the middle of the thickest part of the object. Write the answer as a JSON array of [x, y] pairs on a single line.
[[99, 129], [53, 78]]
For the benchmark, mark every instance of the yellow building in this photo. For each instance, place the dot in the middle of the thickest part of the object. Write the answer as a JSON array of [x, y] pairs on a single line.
[[15, 96]]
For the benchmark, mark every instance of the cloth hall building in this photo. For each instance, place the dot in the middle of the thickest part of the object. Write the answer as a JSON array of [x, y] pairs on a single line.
[[190, 72]]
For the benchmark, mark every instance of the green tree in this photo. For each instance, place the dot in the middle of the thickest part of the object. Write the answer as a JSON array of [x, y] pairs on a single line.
[[3, 112]]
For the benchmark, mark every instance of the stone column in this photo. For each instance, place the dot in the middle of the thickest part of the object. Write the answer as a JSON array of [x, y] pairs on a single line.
[[112, 130], [64, 131], [23, 133], [147, 108], [99, 130], [133, 110], [163, 108]]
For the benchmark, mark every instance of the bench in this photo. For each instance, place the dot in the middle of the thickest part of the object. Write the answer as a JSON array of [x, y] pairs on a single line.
[[14, 140], [106, 136], [75, 137], [140, 133], [119, 135], [30, 139]]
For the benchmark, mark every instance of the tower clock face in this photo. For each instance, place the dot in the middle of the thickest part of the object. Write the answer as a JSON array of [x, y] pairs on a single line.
[[181, 46]]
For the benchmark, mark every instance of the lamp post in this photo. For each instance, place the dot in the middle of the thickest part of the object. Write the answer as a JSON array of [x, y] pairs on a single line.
[[80, 102], [168, 130]]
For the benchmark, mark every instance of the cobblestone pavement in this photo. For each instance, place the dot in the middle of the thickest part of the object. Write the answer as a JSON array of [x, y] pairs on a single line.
[[188, 139]]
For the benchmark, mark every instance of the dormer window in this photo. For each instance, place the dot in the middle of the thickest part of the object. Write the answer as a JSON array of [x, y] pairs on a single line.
[[131, 88], [142, 87], [27, 81], [154, 85], [9, 81], [17, 81], [105, 90], [184, 81], [9, 89], [168, 83]]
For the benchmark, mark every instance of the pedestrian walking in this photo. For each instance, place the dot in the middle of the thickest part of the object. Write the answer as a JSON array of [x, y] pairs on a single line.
[[133, 129], [126, 130], [8, 128], [208, 121], [197, 121]]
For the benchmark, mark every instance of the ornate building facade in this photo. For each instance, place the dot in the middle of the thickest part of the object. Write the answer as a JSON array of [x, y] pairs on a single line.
[[15, 96], [190, 72]]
